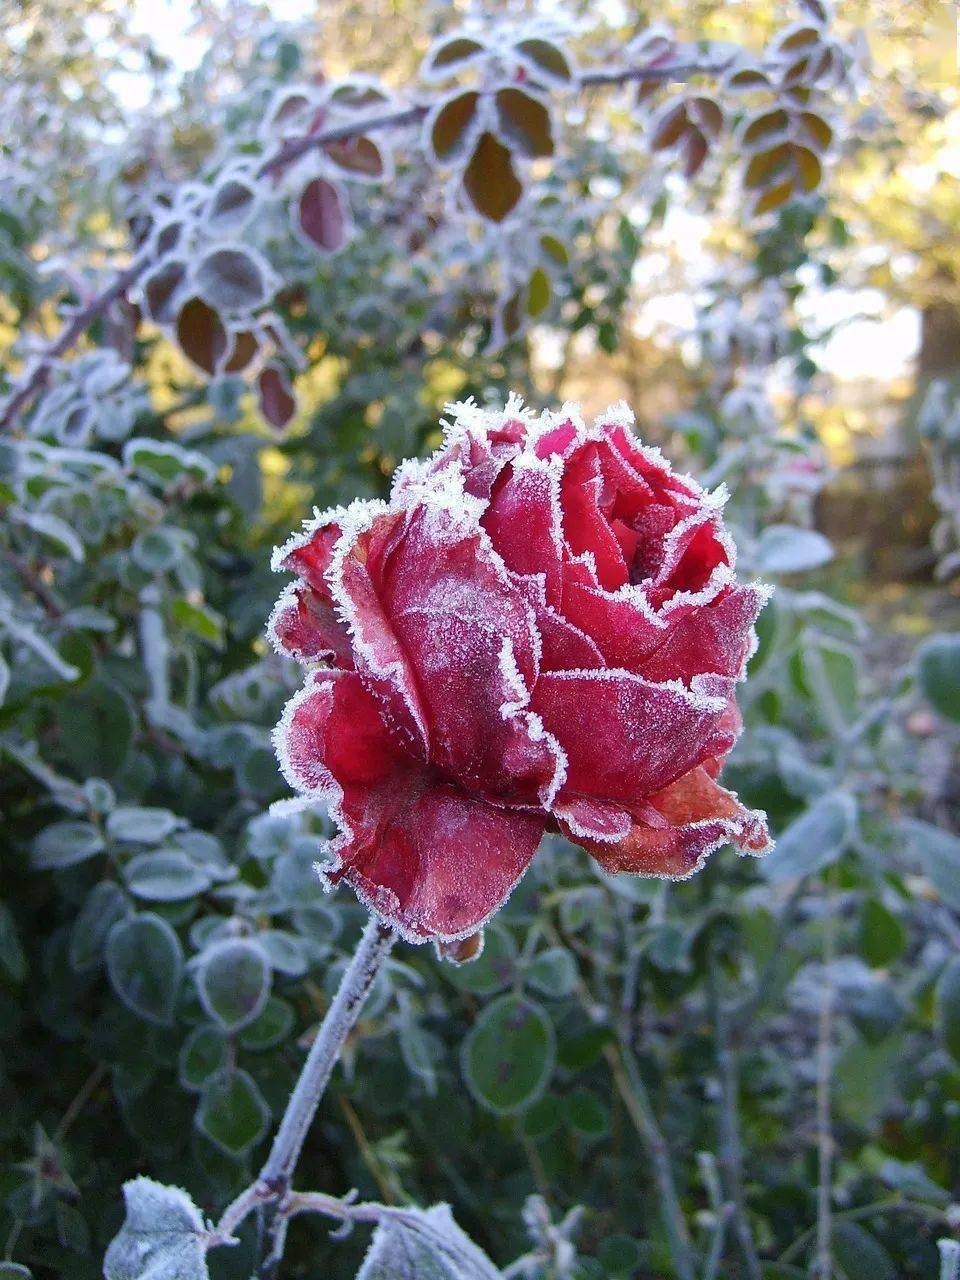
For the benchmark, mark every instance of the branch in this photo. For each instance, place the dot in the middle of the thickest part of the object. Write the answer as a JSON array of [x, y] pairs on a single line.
[[36, 378], [290, 150]]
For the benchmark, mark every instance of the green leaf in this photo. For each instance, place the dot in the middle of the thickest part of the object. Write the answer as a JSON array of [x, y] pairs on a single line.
[[948, 1007], [859, 1255], [103, 906], [136, 825], [882, 936], [15, 1271], [271, 1026], [64, 844], [157, 551], [587, 1115], [785, 548], [162, 1237], [815, 840], [508, 1054], [938, 660], [145, 965], [553, 972], [538, 292], [166, 876], [200, 620], [865, 1079], [164, 463], [55, 531], [233, 982], [939, 852], [424, 1244], [96, 729], [232, 1112], [204, 1052], [13, 962]]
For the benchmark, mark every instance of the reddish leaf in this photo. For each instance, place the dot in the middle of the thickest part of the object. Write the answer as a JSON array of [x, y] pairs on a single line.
[[668, 126], [160, 288], [453, 54], [764, 128], [547, 58], [707, 115], [748, 78], [490, 179], [774, 197], [231, 205], [526, 121], [695, 149], [358, 94], [808, 168], [321, 214], [359, 156], [451, 124], [201, 335], [277, 402], [767, 165], [798, 39], [814, 128], [244, 348]]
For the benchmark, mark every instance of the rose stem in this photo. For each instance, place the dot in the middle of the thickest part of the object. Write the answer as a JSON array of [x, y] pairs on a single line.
[[277, 1172]]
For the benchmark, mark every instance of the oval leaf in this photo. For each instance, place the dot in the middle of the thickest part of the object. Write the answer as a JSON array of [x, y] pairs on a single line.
[[508, 1055], [233, 982], [490, 179], [321, 215], [145, 965]]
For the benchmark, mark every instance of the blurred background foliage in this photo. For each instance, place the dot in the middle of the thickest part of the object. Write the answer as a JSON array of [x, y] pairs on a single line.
[[755, 1074]]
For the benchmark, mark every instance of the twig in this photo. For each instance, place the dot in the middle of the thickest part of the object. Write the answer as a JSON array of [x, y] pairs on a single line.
[[731, 1148], [35, 585], [892, 1204], [633, 1091], [715, 1256], [366, 1151], [68, 338], [80, 1100]]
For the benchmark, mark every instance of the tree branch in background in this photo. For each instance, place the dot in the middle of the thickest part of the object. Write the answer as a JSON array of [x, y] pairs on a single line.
[[37, 375]]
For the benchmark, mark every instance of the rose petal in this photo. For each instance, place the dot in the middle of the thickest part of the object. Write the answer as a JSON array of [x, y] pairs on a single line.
[[441, 862], [714, 637], [456, 613], [309, 554], [626, 737], [305, 626], [523, 520], [679, 828], [426, 856]]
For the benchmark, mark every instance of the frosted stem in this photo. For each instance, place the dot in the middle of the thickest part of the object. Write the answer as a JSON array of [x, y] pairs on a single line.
[[277, 1172], [154, 649]]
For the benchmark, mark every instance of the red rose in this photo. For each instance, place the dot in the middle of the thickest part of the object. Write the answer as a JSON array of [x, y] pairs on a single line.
[[541, 630]]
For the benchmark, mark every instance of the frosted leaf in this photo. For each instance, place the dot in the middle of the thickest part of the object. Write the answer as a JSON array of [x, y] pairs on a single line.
[[424, 1245], [163, 1236]]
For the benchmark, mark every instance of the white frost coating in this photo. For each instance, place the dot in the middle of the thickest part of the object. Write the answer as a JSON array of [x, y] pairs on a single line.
[[697, 695], [534, 726], [287, 600], [566, 813]]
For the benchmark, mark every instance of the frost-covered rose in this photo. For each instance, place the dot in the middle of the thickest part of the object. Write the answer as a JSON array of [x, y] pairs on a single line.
[[541, 630]]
